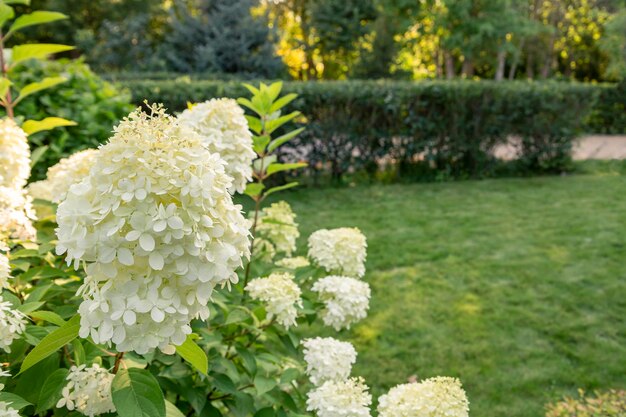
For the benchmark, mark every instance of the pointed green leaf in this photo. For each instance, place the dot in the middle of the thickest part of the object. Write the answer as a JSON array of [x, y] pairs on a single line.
[[34, 126], [272, 125], [6, 13], [36, 155], [259, 143], [50, 392], [48, 316], [16, 401], [273, 168], [38, 86], [136, 393], [5, 83], [254, 189], [254, 124], [36, 51], [52, 342], [282, 102], [194, 354], [281, 188], [283, 139], [35, 18], [251, 88], [274, 90], [247, 103], [263, 384]]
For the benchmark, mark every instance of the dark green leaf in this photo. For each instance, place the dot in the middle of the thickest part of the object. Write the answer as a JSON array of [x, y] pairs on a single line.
[[136, 393], [51, 391], [224, 383]]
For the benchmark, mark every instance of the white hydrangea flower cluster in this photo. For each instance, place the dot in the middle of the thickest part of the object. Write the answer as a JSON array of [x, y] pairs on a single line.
[[61, 176], [224, 130], [277, 225], [263, 249], [281, 296], [16, 214], [328, 359], [346, 300], [346, 398], [340, 251], [157, 229], [3, 373], [433, 397], [5, 271], [7, 411], [293, 263], [12, 324], [14, 155], [88, 390]]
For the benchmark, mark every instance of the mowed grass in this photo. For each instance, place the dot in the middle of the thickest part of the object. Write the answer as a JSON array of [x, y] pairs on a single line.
[[516, 286]]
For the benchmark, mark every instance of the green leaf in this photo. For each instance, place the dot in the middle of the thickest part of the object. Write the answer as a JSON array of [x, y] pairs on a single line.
[[289, 375], [254, 124], [224, 383], [36, 155], [34, 18], [80, 357], [16, 401], [36, 51], [273, 168], [52, 342], [136, 393], [194, 354], [34, 126], [51, 390], [24, 2], [272, 125], [247, 103], [172, 411], [263, 384], [48, 316], [274, 91], [265, 412], [30, 307], [38, 86], [6, 13], [5, 83], [281, 188], [284, 138], [254, 189], [251, 88], [259, 143], [236, 315], [282, 102]]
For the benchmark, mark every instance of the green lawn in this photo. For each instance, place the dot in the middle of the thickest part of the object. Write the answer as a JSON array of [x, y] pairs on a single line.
[[516, 286]]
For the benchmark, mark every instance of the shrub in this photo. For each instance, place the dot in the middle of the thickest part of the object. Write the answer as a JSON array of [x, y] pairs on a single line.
[[611, 403], [609, 114], [434, 129], [95, 105]]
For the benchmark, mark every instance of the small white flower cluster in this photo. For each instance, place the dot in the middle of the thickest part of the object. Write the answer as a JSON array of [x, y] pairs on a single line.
[[293, 263], [346, 398], [433, 397], [157, 229], [14, 155], [3, 373], [346, 300], [7, 411], [277, 225], [16, 214], [88, 391], [281, 296], [224, 130], [12, 324], [5, 271], [61, 176], [328, 359], [340, 251]]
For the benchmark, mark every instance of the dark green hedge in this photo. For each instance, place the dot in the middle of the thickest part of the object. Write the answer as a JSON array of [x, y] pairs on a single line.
[[426, 128]]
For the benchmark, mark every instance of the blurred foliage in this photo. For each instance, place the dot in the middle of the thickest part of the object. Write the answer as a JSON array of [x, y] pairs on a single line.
[[611, 403], [95, 105]]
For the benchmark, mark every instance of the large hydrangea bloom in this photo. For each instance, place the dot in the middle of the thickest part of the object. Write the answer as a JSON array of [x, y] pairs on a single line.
[[14, 155], [346, 300], [280, 294], [88, 390], [293, 263], [157, 229], [328, 359], [339, 251], [16, 214], [277, 225], [67, 172], [12, 324], [434, 397], [224, 130], [347, 398]]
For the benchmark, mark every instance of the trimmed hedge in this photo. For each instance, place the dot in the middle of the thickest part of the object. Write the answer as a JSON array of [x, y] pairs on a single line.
[[428, 129]]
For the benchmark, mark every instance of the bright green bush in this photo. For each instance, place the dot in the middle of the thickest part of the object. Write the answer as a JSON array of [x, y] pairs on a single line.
[[429, 129], [95, 105]]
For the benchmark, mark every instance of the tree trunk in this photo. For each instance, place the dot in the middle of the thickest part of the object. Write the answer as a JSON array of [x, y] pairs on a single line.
[[449, 65], [501, 64], [530, 70], [516, 57]]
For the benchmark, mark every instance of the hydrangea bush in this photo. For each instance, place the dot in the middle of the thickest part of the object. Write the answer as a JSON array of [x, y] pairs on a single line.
[[149, 292]]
